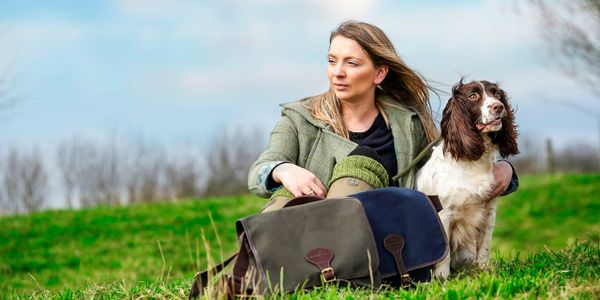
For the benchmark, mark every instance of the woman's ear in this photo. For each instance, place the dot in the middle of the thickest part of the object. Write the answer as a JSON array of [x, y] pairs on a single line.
[[381, 73]]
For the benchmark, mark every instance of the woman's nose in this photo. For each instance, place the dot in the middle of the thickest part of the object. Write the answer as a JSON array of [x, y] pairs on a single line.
[[338, 70]]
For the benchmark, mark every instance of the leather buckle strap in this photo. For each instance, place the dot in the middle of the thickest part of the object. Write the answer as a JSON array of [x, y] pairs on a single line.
[[394, 244], [435, 200], [322, 257]]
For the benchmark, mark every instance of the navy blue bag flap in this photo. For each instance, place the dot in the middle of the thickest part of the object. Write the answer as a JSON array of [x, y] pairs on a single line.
[[410, 214]]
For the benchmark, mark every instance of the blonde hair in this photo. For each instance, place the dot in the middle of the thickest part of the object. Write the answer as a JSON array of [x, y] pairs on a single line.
[[402, 84]]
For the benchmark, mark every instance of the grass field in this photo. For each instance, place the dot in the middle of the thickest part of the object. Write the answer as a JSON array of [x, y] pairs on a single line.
[[153, 250]]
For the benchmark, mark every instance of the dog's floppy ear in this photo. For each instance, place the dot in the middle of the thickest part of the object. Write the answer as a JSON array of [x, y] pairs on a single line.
[[461, 138], [506, 138]]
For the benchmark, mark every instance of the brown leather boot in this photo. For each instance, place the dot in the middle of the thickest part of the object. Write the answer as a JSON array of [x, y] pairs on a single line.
[[279, 198]]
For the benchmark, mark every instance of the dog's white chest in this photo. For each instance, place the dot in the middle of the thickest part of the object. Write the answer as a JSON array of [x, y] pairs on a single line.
[[452, 179]]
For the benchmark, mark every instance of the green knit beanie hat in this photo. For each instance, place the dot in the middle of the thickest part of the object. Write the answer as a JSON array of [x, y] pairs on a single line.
[[363, 168]]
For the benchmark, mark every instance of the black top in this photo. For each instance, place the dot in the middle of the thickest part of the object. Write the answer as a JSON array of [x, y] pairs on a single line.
[[379, 137]]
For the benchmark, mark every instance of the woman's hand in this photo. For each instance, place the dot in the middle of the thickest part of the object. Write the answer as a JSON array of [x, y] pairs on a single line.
[[502, 177], [299, 181]]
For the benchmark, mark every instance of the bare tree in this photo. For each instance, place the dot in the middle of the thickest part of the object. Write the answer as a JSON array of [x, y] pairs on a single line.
[[182, 176], [538, 157], [25, 181], [144, 173], [578, 157], [571, 29], [90, 170], [106, 172], [84, 156], [5, 204], [150, 183], [102, 184], [68, 159], [110, 181], [229, 158], [530, 160]]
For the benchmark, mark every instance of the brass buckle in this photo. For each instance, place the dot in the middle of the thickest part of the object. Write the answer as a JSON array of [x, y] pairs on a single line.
[[406, 281], [325, 271]]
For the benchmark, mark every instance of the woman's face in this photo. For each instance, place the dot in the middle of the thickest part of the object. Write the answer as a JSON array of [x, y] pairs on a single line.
[[352, 75]]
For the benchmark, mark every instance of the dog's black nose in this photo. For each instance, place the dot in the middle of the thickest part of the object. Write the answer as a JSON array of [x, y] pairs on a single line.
[[497, 107]]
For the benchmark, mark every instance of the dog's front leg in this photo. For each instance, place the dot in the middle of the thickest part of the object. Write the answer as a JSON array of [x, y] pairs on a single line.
[[442, 269], [483, 252]]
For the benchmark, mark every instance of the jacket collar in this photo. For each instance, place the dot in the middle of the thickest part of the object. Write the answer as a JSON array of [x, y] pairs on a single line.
[[301, 107]]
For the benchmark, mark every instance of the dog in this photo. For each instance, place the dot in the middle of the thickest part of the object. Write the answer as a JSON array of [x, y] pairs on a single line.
[[477, 125]]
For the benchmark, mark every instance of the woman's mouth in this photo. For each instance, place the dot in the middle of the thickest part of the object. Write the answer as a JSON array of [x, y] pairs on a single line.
[[340, 86]]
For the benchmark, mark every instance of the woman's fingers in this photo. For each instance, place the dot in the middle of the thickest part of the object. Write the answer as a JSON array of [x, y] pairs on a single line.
[[298, 180], [502, 176], [318, 188]]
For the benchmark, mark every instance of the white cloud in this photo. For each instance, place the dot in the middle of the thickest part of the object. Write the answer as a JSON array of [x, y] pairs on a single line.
[[344, 9], [151, 8], [214, 25], [207, 83], [32, 40], [479, 31]]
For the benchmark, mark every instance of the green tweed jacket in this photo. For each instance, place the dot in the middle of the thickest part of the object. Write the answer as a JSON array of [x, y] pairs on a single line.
[[309, 143]]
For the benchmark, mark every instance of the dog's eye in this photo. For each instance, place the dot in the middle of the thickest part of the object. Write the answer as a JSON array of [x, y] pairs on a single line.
[[473, 97], [498, 95]]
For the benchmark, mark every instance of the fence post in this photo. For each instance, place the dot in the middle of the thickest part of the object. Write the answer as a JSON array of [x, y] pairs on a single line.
[[598, 165], [549, 157]]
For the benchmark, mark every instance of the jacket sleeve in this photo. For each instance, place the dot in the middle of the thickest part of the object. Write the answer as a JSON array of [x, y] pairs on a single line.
[[514, 181], [283, 147]]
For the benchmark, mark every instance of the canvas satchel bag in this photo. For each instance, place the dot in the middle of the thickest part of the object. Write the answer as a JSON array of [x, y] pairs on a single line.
[[304, 246], [399, 227]]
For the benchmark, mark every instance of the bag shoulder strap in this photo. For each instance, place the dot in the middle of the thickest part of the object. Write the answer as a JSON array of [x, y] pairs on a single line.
[[418, 158], [201, 278], [237, 286], [300, 200]]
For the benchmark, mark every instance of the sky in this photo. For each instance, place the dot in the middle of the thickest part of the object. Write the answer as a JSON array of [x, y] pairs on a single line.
[[176, 72]]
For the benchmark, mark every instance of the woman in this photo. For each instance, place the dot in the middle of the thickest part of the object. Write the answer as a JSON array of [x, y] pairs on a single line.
[[374, 99]]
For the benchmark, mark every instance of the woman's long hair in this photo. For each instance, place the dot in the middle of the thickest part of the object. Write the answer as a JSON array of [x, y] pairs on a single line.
[[401, 84]]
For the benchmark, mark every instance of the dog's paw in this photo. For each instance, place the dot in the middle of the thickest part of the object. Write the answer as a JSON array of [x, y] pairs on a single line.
[[481, 263], [482, 258], [441, 271]]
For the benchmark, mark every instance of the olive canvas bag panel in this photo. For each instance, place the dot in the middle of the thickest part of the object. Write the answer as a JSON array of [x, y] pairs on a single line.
[[408, 233], [306, 244]]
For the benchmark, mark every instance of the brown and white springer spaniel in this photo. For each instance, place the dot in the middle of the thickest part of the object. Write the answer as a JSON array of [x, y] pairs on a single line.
[[477, 125]]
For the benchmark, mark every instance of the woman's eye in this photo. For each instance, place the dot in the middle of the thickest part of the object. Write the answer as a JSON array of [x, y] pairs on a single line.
[[354, 63], [473, 97]]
